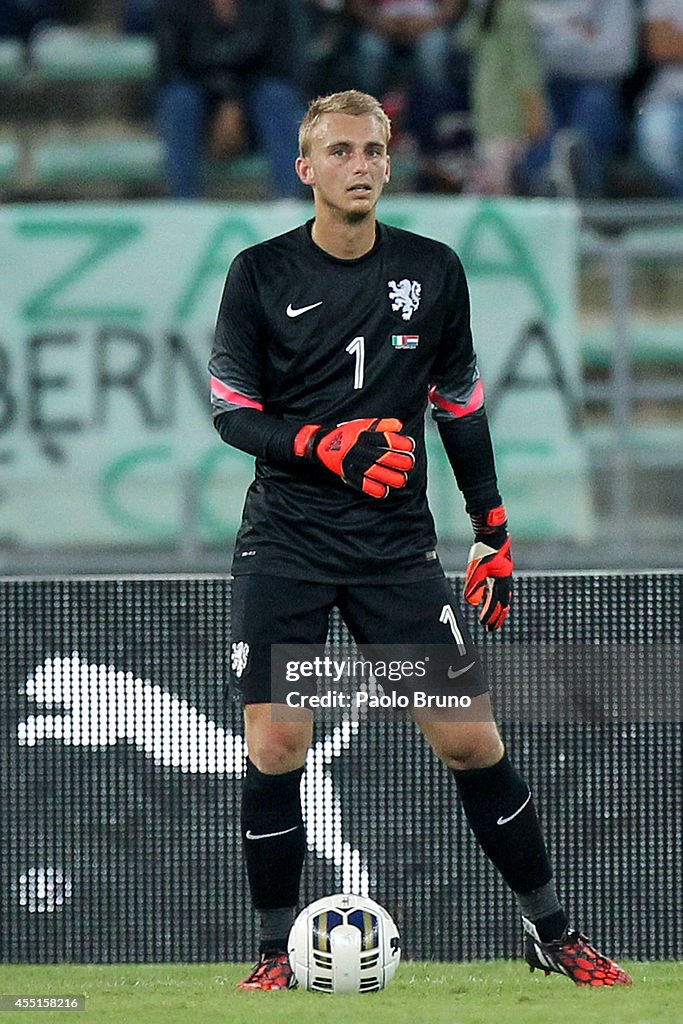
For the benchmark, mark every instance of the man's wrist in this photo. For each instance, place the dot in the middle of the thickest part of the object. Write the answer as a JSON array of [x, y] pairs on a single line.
[[490, 524], [304, 442]]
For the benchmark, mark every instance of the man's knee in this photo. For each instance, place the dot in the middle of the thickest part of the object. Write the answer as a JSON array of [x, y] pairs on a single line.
[[277, 757], [474, 754], [275, 747], [475, 745]]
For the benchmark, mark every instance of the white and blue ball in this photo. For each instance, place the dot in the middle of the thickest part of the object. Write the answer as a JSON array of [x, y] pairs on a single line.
[[344, 944]]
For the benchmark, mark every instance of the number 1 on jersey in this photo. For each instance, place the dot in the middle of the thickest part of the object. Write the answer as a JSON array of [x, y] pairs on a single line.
[[357, 348]]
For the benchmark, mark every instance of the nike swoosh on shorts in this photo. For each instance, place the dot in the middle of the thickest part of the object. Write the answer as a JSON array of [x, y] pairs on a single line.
[[460, 671]]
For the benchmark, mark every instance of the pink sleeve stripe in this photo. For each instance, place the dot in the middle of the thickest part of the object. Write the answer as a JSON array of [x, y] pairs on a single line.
[[475, 402], [234, 397]]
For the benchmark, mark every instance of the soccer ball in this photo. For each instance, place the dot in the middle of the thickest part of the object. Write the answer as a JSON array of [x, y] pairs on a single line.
[[344, 944]]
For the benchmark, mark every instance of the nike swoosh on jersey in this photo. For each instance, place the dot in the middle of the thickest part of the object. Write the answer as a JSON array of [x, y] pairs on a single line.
[[270, 835], [504, 821], [291, 312], [460, 672]]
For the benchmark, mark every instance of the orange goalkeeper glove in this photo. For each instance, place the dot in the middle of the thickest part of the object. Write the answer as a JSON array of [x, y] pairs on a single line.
[[368, 454], [489, 567]]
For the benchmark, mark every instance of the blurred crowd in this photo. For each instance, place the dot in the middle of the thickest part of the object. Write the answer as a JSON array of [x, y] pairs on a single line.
[[494, 97]]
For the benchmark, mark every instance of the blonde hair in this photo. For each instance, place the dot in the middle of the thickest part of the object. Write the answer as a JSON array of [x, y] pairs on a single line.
[[353, 102]]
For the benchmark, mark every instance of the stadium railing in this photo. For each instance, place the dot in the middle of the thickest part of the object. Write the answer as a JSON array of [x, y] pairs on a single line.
[[623, 237]]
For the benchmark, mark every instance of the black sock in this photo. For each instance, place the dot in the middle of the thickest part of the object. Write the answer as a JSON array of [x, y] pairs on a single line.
[[498, 805], [551, 927], [542, 908], [274, 839], [274, 928]]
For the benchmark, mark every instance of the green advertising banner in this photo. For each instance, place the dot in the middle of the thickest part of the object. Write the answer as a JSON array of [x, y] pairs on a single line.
[[107, 319]]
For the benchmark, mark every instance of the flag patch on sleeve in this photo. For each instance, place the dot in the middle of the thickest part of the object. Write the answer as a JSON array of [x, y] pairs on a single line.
[[405, 340]]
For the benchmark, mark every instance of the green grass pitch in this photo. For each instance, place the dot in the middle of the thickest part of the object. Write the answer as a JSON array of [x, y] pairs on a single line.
[[499, 992]]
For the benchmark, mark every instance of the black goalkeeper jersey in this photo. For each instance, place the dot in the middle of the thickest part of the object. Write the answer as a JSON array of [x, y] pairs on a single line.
[[309, 338]]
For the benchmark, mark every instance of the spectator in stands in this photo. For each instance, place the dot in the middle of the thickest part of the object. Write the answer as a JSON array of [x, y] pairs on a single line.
[[659, 125], [328, 31], [588, 48], [508, 104], [18, 18], [138, 17], [394, 32], [408, 43], [227, 68]]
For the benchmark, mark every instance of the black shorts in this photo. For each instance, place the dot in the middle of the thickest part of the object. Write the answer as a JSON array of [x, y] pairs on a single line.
[[269, 610]]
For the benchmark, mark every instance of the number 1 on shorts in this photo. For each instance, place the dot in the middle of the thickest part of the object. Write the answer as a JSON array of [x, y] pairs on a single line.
[[448, 617]]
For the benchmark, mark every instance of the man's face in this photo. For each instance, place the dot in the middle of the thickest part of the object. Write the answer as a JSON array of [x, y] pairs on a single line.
[[347, 165]]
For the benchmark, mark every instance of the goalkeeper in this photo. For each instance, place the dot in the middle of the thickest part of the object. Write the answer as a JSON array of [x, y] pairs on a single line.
[[331, 340]]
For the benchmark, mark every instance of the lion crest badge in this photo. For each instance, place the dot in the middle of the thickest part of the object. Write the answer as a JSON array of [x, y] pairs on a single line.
[[404, 296]]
